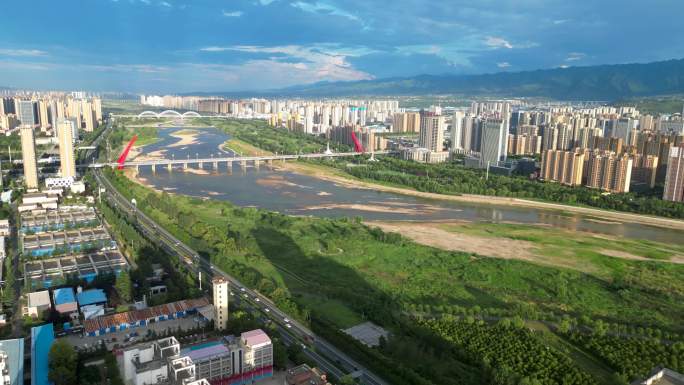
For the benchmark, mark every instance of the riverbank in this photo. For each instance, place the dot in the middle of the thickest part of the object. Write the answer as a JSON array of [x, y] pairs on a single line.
[[339, 177], [580, 251]]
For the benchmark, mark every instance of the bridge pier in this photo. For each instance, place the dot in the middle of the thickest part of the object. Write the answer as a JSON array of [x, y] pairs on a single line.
[[256, 163], [169, 167], [214, 166], [243, 164], [201, 165], [137, 169], [229, 167], [185, 165], [154, 168], [269, 162]]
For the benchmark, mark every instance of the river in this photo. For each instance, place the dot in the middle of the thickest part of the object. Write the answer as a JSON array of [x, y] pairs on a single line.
[[297, 194]]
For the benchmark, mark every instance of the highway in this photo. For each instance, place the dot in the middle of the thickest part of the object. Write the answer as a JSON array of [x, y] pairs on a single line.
[[295, 331]]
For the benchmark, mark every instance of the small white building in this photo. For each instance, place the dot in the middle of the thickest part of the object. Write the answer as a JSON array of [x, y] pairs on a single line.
[[38, 302], [4, 227], [157, 362]]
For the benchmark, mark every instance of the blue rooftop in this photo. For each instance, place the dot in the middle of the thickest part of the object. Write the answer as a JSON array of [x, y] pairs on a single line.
[[63, 295], [41, 342], [91, 297], [15, 357]]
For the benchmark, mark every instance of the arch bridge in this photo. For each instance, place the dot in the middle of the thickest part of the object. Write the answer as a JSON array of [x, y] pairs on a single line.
[[169, 114]]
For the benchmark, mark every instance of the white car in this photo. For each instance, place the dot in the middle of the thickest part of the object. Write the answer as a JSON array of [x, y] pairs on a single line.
[[286, 320], [256, 299], [267, 310], [244, 295], [288, 326], [242, 289]]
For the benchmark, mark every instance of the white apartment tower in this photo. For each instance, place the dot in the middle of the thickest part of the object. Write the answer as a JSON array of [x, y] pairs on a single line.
[[431, 131], [28, 154], [65, 136], [220, 288]]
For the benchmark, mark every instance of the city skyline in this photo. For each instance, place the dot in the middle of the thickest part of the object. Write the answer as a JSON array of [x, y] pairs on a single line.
[[173, 46]]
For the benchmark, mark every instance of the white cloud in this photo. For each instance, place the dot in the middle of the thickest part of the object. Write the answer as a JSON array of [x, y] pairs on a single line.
[[165, 4], [497, 42], [232, 13], [504, 64], [22, 52], [265, 2], [560, 21], [575, 56], [306, 63], [324, 8]]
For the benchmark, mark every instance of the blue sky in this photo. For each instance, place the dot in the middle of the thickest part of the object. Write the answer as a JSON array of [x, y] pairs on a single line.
[[233, 45]]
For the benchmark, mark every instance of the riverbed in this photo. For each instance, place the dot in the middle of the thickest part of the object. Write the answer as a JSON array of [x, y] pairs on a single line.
[[297, 194]]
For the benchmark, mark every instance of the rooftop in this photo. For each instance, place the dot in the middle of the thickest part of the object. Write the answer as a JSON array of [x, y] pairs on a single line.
[[63, 296], [662, 376], [41, 341], [15, 359], [255, 337], [39, 298], [205, 350], [90, 297]]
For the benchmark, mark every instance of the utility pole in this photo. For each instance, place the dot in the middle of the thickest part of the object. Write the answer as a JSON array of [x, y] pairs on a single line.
[[487, 174]]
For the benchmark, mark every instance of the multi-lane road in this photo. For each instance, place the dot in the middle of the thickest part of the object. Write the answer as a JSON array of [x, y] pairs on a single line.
[[335, 362]]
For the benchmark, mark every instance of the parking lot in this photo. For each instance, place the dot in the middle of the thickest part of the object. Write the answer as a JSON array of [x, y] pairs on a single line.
[[117, 339]]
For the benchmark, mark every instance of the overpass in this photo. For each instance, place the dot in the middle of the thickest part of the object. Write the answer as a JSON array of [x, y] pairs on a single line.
[[243, 161]]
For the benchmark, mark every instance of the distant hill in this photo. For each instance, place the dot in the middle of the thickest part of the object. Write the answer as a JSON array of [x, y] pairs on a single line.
[[604, 82]]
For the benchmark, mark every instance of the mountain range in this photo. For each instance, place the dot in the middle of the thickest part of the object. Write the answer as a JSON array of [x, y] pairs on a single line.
[[602, 82]]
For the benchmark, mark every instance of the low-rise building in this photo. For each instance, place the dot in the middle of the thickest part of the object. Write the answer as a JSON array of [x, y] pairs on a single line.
[[61, 219], [4, 227], [91, 297], [662, 376], [141, 317], [12, 362], [37, 303], [42, 338], [64, 300], [67, 241], [45, 273], [231, 360], [157, 362], [305, 375]]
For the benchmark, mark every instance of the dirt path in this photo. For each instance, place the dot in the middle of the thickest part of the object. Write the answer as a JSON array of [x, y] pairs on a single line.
[[431, 234]]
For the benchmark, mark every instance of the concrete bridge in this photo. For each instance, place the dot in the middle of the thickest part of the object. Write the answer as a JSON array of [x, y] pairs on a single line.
[[242, 161], [175, 115]]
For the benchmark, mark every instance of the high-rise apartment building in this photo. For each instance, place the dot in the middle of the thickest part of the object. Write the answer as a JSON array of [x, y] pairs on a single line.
[[457, 130], [494, 141], [28, 154], [609, 172], [644, 170], [220, 289], [26, 112], [674, 177], [88, 116], [65, 136], [43, 114], [565, 167], [431, 131]]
